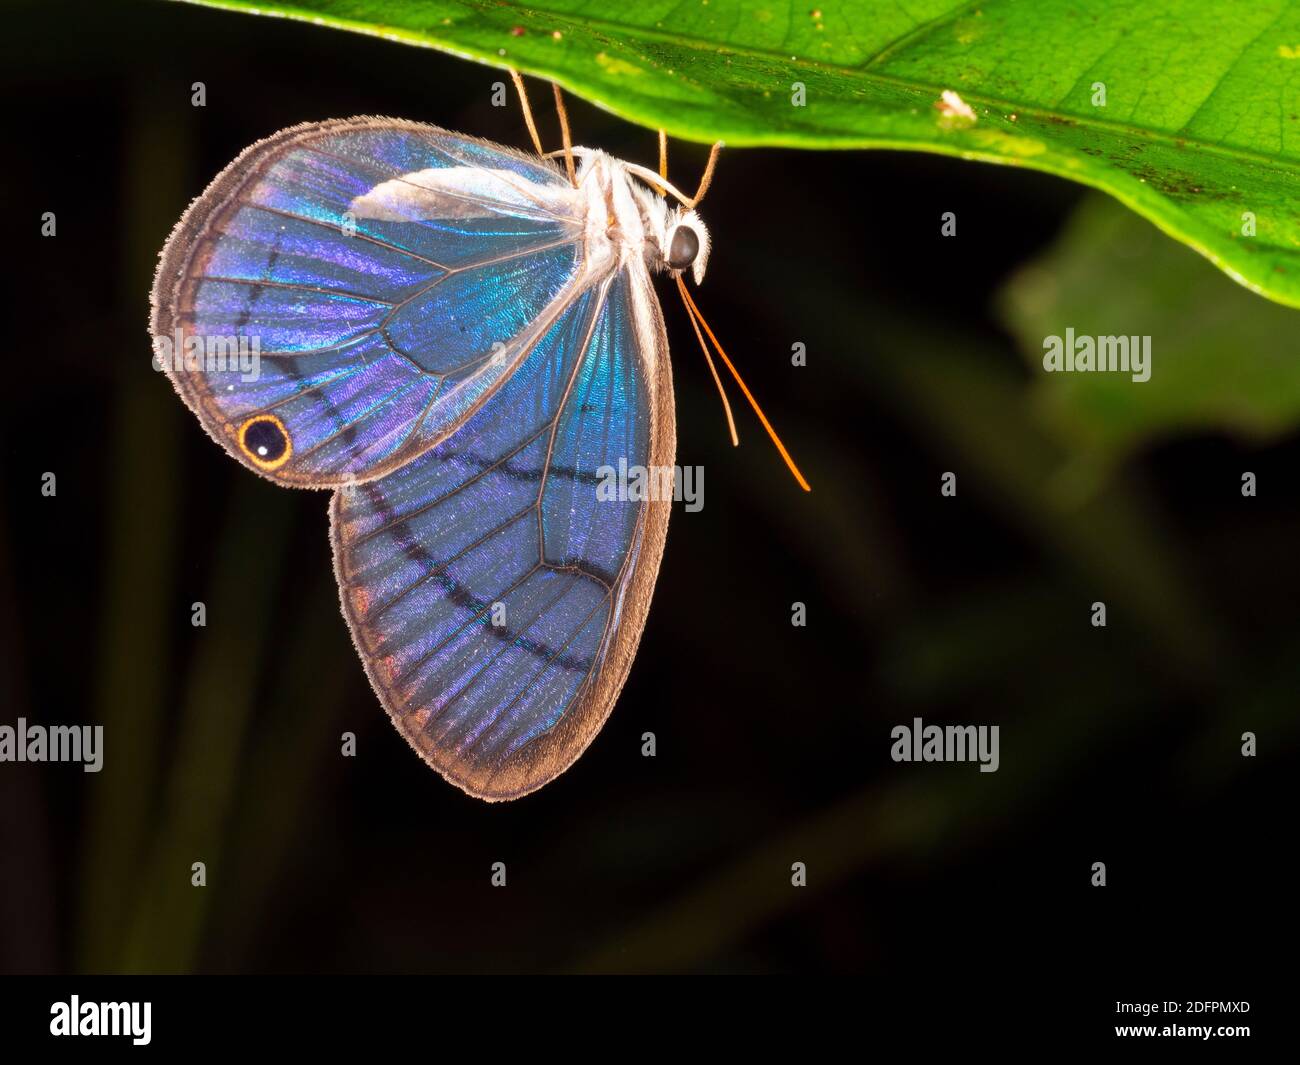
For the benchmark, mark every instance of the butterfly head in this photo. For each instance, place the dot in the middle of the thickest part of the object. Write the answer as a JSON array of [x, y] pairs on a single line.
[[686, 244], [682, 244], [675, 238]]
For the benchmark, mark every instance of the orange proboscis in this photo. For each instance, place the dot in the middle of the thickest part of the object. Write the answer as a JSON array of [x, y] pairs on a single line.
[[698, 317]]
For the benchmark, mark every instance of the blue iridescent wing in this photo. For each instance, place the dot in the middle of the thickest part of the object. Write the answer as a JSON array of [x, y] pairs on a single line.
[[495, 593], [389, 276]]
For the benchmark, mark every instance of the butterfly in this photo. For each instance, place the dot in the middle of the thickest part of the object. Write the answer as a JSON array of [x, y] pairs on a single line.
[[458, 339]]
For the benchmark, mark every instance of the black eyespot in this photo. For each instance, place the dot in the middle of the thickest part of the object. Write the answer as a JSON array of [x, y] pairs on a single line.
[[683, 249], [265, 441]]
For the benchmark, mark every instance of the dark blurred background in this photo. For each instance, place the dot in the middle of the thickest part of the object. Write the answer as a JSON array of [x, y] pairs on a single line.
[[1119, 745]]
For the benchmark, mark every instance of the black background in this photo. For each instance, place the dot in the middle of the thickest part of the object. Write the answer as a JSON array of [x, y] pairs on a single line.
[[773, 741]]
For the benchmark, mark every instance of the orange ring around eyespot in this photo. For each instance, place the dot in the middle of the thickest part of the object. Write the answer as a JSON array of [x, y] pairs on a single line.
[[258, 461]]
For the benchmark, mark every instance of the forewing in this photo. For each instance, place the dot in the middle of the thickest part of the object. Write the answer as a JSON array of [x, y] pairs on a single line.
[[496, 596], [388, 276]]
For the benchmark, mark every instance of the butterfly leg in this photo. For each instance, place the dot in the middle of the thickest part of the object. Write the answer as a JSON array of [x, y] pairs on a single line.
[[705, 181], [707, 178], [663, 163], [528, 111], [564, 135]]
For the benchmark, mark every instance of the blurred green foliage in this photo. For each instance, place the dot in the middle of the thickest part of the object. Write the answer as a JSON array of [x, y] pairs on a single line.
[[1222, 359]]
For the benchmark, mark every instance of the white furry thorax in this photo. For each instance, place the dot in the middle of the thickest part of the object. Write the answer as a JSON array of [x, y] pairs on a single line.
[[625, 218]]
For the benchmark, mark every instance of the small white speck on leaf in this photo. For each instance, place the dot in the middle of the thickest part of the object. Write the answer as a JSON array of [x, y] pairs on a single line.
[[953, 106]]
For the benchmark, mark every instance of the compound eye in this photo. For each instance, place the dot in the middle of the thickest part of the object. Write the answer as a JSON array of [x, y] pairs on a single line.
[[683, 248]]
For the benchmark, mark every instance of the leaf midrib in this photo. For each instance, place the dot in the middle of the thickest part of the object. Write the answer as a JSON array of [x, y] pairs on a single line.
[[429, 39], [701, 45]]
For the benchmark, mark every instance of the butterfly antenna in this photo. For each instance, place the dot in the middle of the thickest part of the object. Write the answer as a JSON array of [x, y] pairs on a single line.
[[528, 111], [726, 405], [565, 138], [690, 303]]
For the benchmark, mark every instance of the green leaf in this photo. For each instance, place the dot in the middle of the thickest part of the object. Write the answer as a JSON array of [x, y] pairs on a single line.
[[1220, 359], [1200, 124]]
